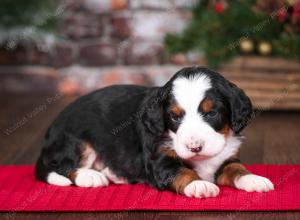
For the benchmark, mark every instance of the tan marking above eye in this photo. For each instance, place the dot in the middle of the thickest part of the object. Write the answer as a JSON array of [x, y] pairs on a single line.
[[225, 130], [177, 110], [206, 105]]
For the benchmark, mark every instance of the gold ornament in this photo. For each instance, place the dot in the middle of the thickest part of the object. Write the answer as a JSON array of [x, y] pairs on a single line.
[[269, 6], [264, 48], [292, 2], [246, 46]]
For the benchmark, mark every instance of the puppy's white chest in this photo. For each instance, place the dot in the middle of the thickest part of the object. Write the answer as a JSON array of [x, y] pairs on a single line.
[[206, 169]]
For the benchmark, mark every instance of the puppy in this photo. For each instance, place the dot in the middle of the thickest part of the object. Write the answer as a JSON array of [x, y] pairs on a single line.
[[183, 136]]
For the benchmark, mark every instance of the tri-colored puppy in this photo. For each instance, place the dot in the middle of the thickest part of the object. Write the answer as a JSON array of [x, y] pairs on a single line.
[[183, 136]]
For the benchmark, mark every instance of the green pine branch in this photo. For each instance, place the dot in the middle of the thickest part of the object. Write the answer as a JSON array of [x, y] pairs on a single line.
[[218, 34]]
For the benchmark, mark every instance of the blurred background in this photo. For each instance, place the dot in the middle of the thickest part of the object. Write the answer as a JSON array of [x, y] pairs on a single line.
[[53, 51]]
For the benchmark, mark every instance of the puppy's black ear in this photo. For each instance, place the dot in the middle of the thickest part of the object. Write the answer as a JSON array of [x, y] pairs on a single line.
[[240, 104], [152, 111]]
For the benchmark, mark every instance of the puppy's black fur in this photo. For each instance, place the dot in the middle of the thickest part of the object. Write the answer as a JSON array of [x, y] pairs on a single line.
[[127, 125]]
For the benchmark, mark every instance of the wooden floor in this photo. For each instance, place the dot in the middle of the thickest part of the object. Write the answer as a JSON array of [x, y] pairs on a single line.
[[272, 137]]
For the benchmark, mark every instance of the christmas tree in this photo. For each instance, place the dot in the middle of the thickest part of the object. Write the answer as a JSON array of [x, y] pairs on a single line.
[[223, 29]]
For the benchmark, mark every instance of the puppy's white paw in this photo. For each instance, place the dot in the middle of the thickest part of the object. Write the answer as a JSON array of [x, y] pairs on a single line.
[[253, 183], [59, 180], [201, 189], [90, 178]]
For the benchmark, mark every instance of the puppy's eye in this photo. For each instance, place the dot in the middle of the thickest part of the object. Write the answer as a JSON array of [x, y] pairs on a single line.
[[212, 114], [175, 117]]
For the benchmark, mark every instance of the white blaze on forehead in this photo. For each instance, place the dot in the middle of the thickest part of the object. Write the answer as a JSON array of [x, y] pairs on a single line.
[[189, 92]]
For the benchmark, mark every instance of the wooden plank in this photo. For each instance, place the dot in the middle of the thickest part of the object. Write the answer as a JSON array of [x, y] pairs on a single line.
[[268, 105], [267, 86], [150, 215], [271, 83], [259, 62], [275, 95], [277, 133], [260, 74]]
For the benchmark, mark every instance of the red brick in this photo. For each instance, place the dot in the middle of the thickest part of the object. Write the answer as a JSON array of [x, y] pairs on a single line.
[[121, 26], [98, 54], [190, 58], [179, 59], [83, 26], [13, 57], [119, 4], [101, 6], [63, 55], [59, 56]]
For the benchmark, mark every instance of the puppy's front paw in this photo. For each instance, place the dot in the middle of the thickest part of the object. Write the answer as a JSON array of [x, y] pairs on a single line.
[[201, 189], [253, 183], [90, 178]]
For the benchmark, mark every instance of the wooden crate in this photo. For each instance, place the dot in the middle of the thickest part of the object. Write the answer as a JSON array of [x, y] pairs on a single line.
[[271, 83]]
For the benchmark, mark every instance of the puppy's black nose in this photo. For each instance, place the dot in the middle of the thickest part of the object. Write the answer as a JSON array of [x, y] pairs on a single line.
[[196, 149]]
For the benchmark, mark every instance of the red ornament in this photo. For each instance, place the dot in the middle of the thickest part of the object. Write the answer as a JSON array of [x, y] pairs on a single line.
[[296, 13], [219, 7], [296, 9], [282, 14]]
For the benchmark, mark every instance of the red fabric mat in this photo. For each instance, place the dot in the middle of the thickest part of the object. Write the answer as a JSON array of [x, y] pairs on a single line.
[[19, 191]]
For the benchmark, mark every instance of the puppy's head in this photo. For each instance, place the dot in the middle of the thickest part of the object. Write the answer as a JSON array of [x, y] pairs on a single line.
[[200, 109]]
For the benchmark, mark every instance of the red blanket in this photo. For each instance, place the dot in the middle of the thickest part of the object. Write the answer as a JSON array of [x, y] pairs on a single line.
[[19, 191]]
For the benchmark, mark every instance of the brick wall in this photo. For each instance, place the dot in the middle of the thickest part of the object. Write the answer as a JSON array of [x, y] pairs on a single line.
[[104, 42], [111, 32]]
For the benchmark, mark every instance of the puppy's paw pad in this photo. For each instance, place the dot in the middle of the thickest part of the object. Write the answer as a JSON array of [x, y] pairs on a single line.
[[253, 183], [201, 189], [90, 178]]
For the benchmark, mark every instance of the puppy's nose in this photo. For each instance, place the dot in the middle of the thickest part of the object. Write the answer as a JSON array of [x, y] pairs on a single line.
[[196, 149]]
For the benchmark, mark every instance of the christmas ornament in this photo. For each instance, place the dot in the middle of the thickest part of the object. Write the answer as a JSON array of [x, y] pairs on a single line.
[[292, 2], [292, 25], [269, 6], [246, 46], [219, 7], [264, 48], [296, 13], [282, 14]]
